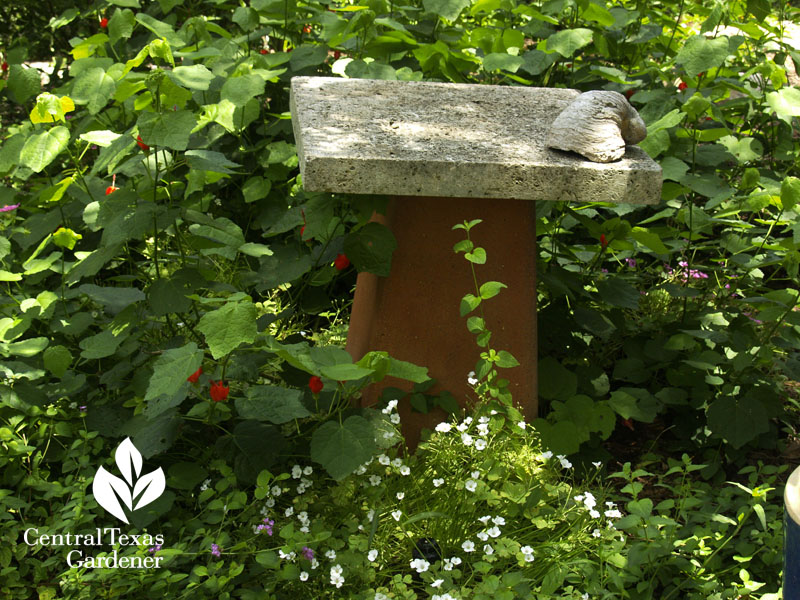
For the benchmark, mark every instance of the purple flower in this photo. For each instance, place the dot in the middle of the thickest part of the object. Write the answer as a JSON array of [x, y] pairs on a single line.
[[9, 208], [308, 553], [631, 262], [266, 525], [154, 549], [82, 408], [215, 550]]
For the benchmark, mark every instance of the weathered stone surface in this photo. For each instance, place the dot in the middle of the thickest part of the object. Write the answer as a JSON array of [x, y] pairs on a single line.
[[451, 140], [598, 125]]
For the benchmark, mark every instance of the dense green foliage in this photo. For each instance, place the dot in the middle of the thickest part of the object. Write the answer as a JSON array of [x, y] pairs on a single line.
[[168, 279]]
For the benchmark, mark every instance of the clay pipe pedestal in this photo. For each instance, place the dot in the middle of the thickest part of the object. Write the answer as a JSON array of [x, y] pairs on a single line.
[[447, 153]]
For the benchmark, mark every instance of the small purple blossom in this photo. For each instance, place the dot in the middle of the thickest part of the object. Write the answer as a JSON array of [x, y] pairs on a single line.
[[266, 525], [215, 550], [308, 553], [154, 549], [82, 408], [631, 262], [9, 208]]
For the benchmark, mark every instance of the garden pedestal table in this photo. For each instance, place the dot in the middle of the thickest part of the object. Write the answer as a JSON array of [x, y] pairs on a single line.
[[447, 153]]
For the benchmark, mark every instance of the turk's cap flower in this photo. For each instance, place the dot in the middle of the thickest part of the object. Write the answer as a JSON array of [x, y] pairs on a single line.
[[9, 208]]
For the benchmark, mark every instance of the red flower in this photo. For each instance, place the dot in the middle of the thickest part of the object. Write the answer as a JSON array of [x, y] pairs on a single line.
[[341, 262], [4, 66], [603, 241], [142, 145], [627, 423], [307, 29], [315, 384], [682, 85], [196, 375], [103, 22], [113, 187], [629, 93], [336, 54], [218, 391], [263, 51]]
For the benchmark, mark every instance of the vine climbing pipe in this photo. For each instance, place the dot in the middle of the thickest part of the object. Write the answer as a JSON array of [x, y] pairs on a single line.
[[447, 153]]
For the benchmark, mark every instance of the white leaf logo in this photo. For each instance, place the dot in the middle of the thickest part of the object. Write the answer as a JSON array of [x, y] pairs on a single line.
[[109, 490]]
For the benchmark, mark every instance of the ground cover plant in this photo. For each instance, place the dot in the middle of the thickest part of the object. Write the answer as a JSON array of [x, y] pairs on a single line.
[[168, 280]]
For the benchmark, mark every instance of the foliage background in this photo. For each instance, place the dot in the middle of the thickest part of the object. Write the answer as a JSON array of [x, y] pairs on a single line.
[[679, 320]]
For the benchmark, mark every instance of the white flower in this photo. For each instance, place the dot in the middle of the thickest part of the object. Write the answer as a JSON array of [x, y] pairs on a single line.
[[499, 521], [521, 424], [384, 460], [597, 464], [483, 536], [485, 519], [610, 504], [372, 555], [297, 472], [361, 470], [475, 474], [289, 511], [395, 418], [420, 565], [308, 470], [487, 549], [379, 596], [528, 556], [613, 514], [594, 514], [437, 583], [443, 427], [303, 576], [480, 444], [589, 501], [546, 455], [485, 419], [596, 533], [336, 576], [466, 439], [493, 531], [467, 420], [396, 514], [526, 550], [585, 596], [290, 556], [276, 490], [468, 546], [204, 487], [471, 378], [331, 554], [565, 463], [401, 495], [314, 563], [483, 428], [455, 560], [397, 463], [270, 502], [390, 407], [405, 470], [471, 485], [371, 514], [438, 482], [462, 427], [374, 480]]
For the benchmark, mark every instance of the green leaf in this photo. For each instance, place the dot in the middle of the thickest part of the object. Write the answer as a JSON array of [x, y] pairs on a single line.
[[476, 256], [598, 14], [569, 41], [745, 149], [559, 438], [490, 289], [790, 192], [115, 298], [370, 248], [497, 61], [308, 55], [100, 345], [447, 9], [785, 102], [649, 240], [256, 188], [170, 129], [23, 83], [161, 29], [171, 370], [100, 137], [618, 292], [207, 160], [272, 403], [120, 25], [469, 303], [342, 448], [94, 88], [42, 148], [26, 348], [239, 90], [345, 372], [194, 77], [506, 360], [555, 381], [700, 54], [227, 327], [738, 420]]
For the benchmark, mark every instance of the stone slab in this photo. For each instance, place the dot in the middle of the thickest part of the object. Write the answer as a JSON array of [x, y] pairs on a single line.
[[407, 138]]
